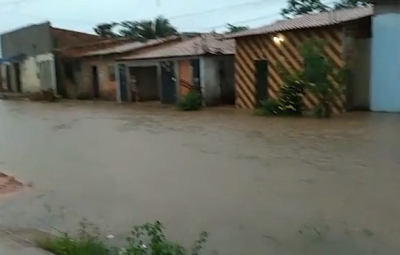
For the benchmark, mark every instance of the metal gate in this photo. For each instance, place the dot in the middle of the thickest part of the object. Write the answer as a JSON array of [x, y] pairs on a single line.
[[168, 83]]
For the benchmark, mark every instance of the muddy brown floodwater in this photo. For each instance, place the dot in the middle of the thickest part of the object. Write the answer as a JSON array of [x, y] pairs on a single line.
[[257, 185]]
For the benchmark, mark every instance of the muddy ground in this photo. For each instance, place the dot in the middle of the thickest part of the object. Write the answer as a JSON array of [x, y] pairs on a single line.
[[257, 185]]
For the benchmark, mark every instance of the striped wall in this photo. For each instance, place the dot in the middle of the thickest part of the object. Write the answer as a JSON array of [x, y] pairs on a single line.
[[251, 48]]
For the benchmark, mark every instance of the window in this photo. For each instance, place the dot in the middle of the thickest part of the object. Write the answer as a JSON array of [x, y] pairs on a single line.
[[111, 73]]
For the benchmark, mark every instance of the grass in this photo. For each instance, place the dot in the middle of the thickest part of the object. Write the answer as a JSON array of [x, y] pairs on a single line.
[[147, 239]]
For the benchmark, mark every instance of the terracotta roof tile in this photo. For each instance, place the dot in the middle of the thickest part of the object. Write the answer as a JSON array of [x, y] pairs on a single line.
[[309, 20], [204, 44], [131, 46]]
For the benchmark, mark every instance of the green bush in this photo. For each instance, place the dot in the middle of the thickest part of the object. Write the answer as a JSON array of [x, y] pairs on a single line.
[[190, 102], [291, 95], [147, 239], [269, 107]]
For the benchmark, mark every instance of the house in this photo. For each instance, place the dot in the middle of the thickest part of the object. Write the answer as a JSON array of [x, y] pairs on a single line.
[[260, 52], [29, 60], [89, 71], [204, 63], [385, 56]]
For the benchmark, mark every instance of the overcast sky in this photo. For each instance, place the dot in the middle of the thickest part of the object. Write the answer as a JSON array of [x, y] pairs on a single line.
[[82, 15]]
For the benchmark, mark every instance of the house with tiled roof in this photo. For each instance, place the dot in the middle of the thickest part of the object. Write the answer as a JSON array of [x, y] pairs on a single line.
[[204, 63], [361, 38], [88, 71]]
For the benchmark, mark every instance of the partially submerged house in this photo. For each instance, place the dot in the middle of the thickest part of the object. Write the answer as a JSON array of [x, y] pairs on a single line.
[[204, 63], [89, 72], [261, 52], [28, 57]]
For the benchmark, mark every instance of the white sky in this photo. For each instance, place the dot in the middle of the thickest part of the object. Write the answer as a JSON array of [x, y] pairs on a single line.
[[83, 15]]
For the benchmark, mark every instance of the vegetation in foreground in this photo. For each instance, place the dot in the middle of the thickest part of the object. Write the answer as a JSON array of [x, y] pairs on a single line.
[[190, 102], [147, 239], [318, 78]]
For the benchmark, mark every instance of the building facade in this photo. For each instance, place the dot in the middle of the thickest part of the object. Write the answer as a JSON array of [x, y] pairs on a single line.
[[29, 51], [262, 53], [203, 63]]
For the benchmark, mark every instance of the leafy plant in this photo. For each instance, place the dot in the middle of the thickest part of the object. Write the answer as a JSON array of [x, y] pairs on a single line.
[[270, 106], [190, 102], [147, 239], [291, 93], [157, 243], [320, 77]]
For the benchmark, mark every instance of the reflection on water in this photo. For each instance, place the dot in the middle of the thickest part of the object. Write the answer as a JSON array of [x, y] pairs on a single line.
[[252, 182]]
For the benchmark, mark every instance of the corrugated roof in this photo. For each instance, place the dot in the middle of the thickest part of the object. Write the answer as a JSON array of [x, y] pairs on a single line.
[[309, 21], [130, 47], [204, 44]]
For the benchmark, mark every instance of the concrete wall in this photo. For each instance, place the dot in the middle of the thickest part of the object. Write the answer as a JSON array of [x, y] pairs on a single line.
[[385, 62], [37, 72], [217, 90], [31, 40]]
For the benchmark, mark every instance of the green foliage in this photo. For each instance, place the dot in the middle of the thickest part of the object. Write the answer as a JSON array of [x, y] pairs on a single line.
[[141, 30], [87, 242], [290, 101], [291, 94], [147, 239], [269, 107], [301, 7], [190, 102], [344, 4], [320, 77], [235, 29], [158, 244]]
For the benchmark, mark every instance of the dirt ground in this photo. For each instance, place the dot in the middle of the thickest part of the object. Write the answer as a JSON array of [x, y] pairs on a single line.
[[258, 185]]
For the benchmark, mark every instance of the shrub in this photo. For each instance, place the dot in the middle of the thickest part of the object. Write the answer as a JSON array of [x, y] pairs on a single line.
[[190, 102], [269, 107], [147, 239], [291, 95]]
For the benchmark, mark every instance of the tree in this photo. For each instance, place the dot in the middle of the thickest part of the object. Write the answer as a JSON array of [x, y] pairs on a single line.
[[344, 4], [106, 30], [301, 7], [147, 29], [234, 29]]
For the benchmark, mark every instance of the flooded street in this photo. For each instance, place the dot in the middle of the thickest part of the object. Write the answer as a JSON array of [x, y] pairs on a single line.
[[282, 186]]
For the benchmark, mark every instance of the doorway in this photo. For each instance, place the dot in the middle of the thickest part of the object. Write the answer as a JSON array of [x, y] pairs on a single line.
[[261, 81], [8, 80], [95, 82], [17, 77], [168, 83], [226, 75]]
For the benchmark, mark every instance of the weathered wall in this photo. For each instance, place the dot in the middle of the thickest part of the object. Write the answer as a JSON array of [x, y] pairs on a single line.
[[37, 72], [252, 48], [66, 38], [31, 40], [385, 62]]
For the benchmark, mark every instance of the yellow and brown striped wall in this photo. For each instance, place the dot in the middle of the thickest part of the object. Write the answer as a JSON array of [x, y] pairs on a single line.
[[287, 53]]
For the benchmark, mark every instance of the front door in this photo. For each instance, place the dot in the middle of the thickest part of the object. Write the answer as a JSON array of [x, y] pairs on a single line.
[[261, 80], [8, 76], [196, 75], [17, 77], [95, 82], [168, 83], [123, 85]]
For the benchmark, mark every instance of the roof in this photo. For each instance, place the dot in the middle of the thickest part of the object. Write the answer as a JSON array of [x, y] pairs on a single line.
[[131, 46], [309, 21], [201, 45]]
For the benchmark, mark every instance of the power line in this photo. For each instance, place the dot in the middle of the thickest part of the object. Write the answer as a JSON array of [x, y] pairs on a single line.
[[217, 9]]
